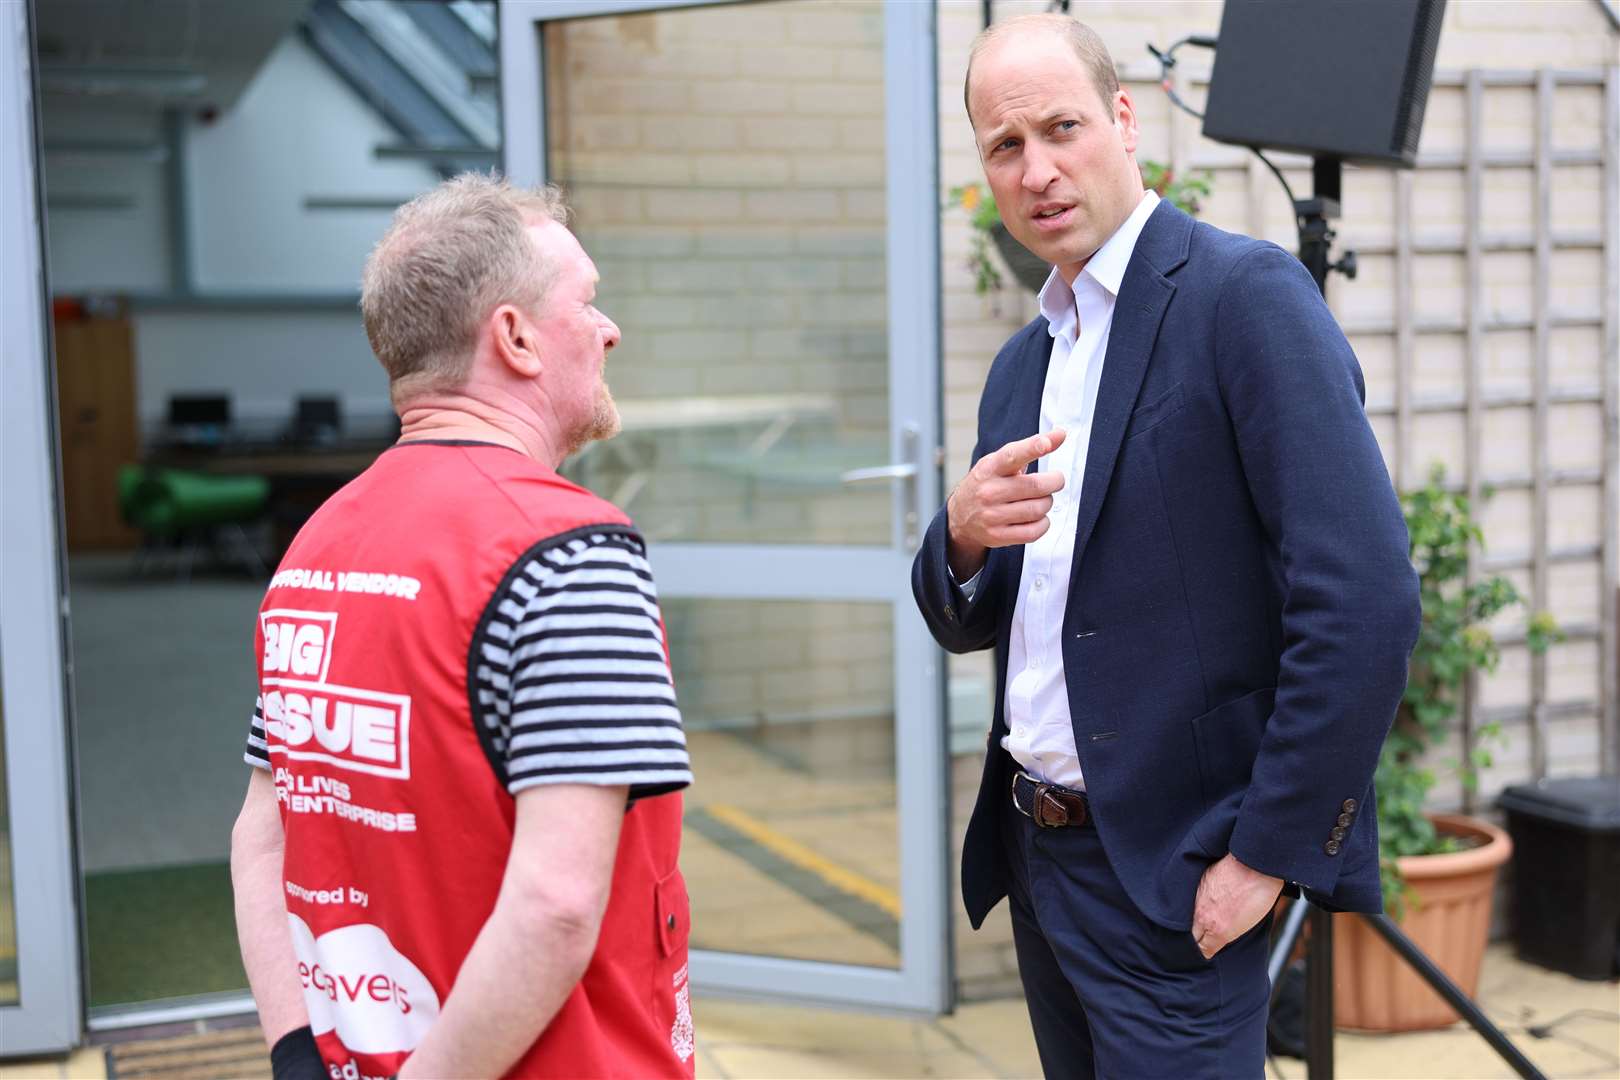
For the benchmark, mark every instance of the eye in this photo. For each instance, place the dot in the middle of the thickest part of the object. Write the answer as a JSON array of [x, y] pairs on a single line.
[[1005, 144], [1067, 125]]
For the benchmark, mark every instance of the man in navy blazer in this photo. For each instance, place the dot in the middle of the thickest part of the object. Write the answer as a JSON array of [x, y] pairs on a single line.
[[1180, 538]]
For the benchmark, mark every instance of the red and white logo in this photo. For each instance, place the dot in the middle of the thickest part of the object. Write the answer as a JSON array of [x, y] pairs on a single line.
[[361, 730], [357, 984], [298, 643]]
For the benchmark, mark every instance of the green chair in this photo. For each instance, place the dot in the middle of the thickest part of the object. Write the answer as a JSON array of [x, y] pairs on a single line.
[[187, 511]]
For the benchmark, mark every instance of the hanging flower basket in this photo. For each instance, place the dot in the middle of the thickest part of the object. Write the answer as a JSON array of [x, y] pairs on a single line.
[[1028, 269]]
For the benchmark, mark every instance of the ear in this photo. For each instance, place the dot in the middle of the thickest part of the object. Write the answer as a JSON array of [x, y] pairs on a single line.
[[515, 341], [1125, 119]]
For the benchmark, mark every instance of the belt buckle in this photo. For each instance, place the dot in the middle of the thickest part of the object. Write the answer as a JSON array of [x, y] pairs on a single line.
[[1045, 803], [1042, 802]]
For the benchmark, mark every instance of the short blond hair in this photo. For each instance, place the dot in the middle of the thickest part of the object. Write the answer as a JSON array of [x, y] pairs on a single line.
[[1086, 42], [449, 258]]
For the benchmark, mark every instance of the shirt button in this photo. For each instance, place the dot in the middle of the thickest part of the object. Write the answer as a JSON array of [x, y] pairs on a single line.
[[1040, 581]]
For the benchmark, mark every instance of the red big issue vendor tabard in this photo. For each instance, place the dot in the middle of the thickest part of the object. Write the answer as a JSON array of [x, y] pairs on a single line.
[[397, 824]]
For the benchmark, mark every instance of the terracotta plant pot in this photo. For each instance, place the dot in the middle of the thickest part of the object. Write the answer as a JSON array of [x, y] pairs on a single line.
[[1373, 988]]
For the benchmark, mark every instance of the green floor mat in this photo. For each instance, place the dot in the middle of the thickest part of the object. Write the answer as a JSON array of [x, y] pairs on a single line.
[[161, 933]]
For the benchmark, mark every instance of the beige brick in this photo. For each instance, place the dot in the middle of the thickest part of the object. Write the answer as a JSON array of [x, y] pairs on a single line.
[[863, 205], [790, 133], [740, 98], [694, 205], [751, 240], [799, 205], [603, 96], [680, 346], [841, 170], [863, 133], [620, 168], [832, 98], [831, 22], [789, 61], [744, 170], [688, 134], [843, 240]]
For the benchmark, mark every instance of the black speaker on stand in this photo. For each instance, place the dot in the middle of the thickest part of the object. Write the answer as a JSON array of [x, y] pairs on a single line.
[[1342, 81]]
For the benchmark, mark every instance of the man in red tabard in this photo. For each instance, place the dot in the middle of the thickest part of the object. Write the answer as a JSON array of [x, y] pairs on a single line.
[[457, 855]]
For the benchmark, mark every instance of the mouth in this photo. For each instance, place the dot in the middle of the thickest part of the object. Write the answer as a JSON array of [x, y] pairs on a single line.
[[1051, 216]]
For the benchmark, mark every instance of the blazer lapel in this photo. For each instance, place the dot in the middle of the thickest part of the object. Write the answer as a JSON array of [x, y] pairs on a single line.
[[1144, 295]]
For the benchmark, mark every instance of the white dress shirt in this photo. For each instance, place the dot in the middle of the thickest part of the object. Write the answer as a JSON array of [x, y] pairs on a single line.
[[1040, 731]]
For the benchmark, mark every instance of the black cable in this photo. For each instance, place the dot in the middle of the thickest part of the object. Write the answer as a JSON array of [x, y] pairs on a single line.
[[1167, 61], [1281, 179]]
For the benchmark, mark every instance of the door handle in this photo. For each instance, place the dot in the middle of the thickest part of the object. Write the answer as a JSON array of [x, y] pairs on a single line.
[[902, 471], [909, 472]]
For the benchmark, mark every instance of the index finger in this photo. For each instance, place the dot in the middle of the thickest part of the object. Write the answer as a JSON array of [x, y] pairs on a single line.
[[1016, 456]]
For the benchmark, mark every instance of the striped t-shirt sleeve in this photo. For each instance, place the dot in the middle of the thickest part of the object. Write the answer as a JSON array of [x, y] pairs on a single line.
[[569, 673], [256, 753]]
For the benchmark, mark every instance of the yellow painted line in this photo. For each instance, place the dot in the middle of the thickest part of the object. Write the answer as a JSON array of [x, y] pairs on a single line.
[[839, 877]]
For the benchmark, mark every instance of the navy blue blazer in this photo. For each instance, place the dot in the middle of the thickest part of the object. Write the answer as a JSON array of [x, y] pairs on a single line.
[[1241, 603]]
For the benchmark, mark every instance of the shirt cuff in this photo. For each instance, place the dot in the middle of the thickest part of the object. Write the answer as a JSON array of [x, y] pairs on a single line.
[[966, 588]]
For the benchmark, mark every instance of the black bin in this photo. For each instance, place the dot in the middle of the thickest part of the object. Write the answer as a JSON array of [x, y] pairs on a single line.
[[1566, 873]]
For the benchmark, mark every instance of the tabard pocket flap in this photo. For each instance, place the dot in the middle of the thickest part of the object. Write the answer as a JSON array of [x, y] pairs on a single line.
[[674, 911]]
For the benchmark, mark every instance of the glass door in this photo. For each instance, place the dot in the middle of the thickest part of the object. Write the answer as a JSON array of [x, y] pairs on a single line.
[[40, 1006], [757, 185]]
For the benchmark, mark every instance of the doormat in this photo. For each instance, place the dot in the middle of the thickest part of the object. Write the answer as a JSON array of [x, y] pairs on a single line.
[[212, 1056], [166, 932]]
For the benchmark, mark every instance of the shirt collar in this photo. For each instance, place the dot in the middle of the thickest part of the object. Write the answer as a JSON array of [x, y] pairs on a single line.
[[1106, 268]]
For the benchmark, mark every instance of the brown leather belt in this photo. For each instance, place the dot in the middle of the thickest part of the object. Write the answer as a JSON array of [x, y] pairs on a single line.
[[1049, 805]]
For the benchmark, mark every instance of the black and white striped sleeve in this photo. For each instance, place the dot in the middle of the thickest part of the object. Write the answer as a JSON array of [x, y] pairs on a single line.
[[568, 673], [256, 753]]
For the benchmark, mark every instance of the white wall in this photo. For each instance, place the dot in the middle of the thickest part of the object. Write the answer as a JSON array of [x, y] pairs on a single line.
[[298, 131]]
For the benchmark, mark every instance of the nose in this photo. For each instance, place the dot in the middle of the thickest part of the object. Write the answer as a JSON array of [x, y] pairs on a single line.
[[610, 333], [1039, 168]]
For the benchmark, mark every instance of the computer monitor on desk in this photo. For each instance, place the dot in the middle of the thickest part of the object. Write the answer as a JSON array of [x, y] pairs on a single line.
[[199, 418]]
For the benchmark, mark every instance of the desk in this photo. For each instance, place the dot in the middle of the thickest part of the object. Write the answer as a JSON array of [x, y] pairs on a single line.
[[759, 420]]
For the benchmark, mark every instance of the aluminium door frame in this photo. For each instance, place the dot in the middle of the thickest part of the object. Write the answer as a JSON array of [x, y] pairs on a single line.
[[924, 982], [50, 1013]]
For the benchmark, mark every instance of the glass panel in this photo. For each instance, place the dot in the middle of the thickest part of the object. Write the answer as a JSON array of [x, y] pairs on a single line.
[[726, 167], [197, 437], [8, 910], [791, 846]]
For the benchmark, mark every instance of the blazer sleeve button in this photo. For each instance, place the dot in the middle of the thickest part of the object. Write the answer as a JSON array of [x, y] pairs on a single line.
[[1348, 806], [1344, 821], [1336, 834], [1331, 847]]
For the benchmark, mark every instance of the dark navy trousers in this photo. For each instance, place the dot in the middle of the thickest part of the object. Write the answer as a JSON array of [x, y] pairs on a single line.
[[1113, 994]]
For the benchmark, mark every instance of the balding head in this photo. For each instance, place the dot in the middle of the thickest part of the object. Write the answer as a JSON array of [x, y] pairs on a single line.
[[450, 256], [1085, 42]]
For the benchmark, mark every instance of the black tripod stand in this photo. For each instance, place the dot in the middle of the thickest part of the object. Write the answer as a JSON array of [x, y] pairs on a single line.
[[1315, 240]]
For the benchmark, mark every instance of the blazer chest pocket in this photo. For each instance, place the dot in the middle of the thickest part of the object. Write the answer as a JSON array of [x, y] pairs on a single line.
[[1149, 416]]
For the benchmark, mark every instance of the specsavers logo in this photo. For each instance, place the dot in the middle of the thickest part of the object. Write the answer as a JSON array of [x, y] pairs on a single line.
[[357, 984], [309, 719]]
